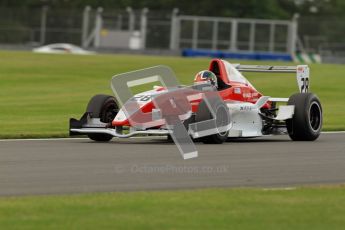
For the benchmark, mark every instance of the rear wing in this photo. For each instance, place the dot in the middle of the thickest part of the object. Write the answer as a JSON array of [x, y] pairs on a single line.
[[301, 71]]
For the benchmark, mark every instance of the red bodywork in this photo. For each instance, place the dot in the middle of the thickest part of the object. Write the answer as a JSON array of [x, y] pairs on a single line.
[[228, 88], [247, 93]]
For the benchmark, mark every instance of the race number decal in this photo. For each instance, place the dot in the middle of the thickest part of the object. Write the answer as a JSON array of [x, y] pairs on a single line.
[[142, 98], [305, 85], [303, 78]]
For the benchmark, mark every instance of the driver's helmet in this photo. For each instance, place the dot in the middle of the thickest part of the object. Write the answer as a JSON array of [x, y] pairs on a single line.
[[206, 76]]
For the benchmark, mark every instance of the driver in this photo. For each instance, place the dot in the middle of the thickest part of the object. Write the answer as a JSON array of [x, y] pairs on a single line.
[[206, 76]]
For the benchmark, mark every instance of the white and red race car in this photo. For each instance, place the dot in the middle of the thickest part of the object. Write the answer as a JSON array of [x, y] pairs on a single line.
[[248, 113]]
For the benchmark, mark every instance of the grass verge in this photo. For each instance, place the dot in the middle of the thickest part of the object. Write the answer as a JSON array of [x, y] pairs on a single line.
[[40, 92], [302, 208]]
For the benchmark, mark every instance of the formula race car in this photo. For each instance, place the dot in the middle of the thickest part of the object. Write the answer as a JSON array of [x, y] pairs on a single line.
[[248, 113]]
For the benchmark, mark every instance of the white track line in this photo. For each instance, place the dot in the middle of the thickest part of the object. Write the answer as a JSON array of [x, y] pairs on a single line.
[[85, 138], [70, 138], [45, 139], [279, 189], [333, 132]]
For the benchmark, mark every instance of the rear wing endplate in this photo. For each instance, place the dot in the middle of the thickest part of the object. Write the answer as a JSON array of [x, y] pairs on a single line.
[[301, 71]]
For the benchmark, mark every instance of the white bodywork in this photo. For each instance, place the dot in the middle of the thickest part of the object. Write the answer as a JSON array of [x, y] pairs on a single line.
[[246, 118], [246, 121]]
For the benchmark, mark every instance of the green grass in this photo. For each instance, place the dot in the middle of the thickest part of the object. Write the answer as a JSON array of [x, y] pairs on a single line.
[[303, 208], [40, 92]]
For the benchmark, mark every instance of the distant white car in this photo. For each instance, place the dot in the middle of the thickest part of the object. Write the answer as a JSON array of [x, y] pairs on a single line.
[[62, 48]]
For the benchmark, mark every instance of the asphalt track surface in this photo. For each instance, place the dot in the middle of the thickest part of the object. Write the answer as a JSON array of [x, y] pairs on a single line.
[[78, 165]]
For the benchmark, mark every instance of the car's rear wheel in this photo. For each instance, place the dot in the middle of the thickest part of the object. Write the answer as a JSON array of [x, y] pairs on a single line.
[[222, 119], [105, 108], [306, 123]]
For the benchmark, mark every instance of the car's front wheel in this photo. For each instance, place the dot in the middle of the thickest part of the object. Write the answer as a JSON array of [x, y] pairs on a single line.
[[105, 108]]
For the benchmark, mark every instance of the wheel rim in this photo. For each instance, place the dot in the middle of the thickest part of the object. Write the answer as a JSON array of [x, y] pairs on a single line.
[[221, 119], [315, 116]]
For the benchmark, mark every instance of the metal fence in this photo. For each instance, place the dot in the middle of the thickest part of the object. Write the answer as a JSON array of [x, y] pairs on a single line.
[[170, 30], [115, 28], [325, 36], [39, 26], [19, 26], [235, 34]]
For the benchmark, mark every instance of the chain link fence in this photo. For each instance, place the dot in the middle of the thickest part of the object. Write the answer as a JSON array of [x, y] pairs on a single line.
[[19, 26], [158, 29], [323, 35]]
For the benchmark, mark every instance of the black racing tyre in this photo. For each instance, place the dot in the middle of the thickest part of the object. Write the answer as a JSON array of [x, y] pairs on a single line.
[[222, 118], [306, 123], [186, 125], [104, 107], [169, 139]]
